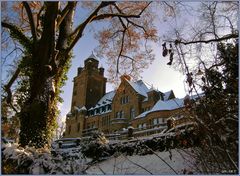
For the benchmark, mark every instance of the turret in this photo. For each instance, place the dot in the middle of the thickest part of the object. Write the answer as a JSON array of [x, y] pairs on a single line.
[[89, 84]]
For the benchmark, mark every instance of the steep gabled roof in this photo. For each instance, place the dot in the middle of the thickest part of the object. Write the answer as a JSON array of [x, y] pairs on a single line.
[[139, 87]]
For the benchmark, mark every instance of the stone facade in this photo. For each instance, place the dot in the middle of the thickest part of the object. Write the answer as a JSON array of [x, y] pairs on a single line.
[[131, 104]]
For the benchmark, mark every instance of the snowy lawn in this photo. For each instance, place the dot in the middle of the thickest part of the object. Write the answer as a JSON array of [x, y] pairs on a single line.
[[148, 164]]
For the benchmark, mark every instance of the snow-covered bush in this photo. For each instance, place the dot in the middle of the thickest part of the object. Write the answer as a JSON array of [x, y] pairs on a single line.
[[28, 160]]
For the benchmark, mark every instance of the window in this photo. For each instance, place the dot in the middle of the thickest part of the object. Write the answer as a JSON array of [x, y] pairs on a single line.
[[132, 113], [144, 125], [155, 121], [78, 127], [118, 115], [97, 110], [124, 99], [109, 107], [127, 99], [122, 114], [140, 126], [69, 129]]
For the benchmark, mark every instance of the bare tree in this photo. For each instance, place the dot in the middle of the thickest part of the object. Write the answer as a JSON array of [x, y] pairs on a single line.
[[207, 55]]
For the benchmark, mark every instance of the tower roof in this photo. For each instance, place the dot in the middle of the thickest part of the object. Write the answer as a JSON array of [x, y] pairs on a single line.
[[92, 56]]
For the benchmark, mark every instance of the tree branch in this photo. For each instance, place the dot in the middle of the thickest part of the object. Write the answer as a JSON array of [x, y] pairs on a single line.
[[17, 34], [111, 15], [65, 29], [31, 21], [226, 37], [79, 30], [144, 8], [161, 159], [64, 12], [120, 11], [9, 85], [48, 35], [121, 49]]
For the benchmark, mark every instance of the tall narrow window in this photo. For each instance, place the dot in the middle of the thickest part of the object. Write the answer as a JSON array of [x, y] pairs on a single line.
[[144, 125], [132, 113], [122, 114], [78, 127], [127, 99], [118, 115], [155, 121]]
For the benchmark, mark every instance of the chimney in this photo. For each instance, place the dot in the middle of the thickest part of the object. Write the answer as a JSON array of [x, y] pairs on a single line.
[[101, 71], [79, 70], [125, 77]]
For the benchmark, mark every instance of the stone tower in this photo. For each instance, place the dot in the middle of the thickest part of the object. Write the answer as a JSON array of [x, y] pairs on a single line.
[[89, 84]]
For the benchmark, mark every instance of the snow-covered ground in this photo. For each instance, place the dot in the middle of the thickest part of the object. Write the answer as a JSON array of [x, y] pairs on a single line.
[[40, 161], [148, 164]]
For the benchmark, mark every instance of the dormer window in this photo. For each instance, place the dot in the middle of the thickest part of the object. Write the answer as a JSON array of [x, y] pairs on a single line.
[[103, 109], [97, 110]]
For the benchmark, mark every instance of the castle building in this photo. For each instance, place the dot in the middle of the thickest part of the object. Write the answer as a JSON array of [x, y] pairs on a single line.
[[132, 104]]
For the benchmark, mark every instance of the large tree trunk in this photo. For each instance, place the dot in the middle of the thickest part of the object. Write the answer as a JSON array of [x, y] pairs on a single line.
[[49, 66], [38, 114]]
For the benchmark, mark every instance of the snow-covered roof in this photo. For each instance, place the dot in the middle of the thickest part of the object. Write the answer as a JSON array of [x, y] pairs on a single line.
[[172, 104], [83, 108], [139, 87], [76, 108], [152, 89], [106, 99], [164, 105]]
